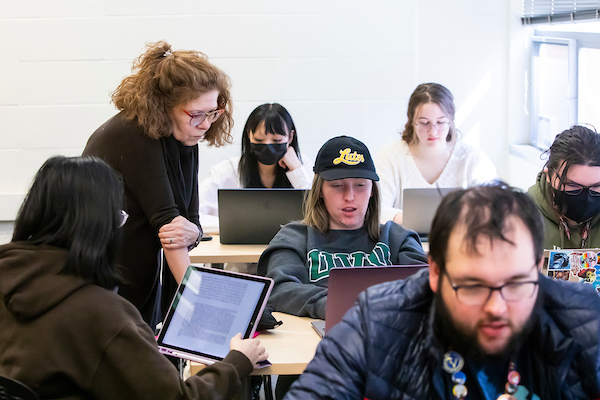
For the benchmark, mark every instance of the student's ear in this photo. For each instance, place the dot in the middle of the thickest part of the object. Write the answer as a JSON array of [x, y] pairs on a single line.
[[545, 171], [434, 275], [292, 133]]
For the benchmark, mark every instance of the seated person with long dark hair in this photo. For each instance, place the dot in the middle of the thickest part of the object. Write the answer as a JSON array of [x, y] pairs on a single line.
[[270, 158], [66, 333]]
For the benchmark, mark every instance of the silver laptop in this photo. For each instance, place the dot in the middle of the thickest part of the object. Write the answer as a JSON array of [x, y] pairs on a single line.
[[254, 216], [345, 284], [419, 207], [212, 306]]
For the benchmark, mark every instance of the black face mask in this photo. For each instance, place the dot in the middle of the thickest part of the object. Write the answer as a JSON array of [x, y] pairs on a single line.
[[578, 208], [268, 154]]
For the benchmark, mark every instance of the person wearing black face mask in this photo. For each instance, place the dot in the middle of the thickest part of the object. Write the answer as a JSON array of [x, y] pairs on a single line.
[[270, 158], [567, 191], [269, 154]]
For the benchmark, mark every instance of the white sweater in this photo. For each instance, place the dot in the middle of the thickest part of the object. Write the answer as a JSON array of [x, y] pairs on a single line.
[[224, 175], [397, 170]]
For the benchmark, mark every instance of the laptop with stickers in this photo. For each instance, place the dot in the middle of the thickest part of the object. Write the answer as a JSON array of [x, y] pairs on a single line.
[[254, 216], [345, 284], [210, 307], [574, 265]]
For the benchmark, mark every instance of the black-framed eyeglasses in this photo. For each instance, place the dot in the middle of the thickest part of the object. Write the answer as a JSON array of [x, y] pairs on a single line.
[[426, 127], [574, 188], [124, 217], [199, 117], [476, 295]]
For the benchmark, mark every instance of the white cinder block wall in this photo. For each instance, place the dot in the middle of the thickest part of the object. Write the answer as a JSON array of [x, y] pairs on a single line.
[[339, 66]]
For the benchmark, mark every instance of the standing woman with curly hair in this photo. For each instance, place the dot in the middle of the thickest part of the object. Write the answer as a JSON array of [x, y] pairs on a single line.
[[173, 100]]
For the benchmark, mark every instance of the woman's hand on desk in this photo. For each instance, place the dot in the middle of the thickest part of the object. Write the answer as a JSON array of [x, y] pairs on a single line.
[[178, 233], [250, 348]]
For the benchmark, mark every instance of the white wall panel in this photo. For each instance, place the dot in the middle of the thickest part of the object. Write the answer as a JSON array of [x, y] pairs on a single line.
[[390, 78], [392, 35], [339, 66], [9, 82], [64, 82], [9, 49], [9, 128], [62, 39], [60, 126], [254, 79], [327, 35], [323, 79], [9, 9], [59, 8]]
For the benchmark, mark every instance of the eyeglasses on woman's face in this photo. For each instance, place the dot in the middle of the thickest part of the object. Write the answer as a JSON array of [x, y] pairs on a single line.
[[425, 127], [199, 117], [572, 188]]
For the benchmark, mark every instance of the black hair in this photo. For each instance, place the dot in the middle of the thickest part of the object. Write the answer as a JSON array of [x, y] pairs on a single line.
[[278, 121], [483, 210], [74, 203], [577, 145]]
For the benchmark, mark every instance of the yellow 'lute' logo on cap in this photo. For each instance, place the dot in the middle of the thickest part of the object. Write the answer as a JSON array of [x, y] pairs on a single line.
[[349, 158]]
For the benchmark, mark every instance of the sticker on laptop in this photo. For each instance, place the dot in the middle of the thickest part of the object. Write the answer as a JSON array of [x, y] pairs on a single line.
[[575, 265]]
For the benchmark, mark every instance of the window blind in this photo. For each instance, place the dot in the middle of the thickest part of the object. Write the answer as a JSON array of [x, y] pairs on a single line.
[[553, 11]]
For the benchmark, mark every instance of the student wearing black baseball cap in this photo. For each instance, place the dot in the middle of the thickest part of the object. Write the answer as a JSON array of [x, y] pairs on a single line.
[[340, 229]]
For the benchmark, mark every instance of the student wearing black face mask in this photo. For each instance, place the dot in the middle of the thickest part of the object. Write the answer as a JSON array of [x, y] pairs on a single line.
[[270, 158], [567, 191]]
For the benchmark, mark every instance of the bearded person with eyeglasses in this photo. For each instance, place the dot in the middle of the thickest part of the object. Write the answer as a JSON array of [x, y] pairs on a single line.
[[172, 101], [481, 323]]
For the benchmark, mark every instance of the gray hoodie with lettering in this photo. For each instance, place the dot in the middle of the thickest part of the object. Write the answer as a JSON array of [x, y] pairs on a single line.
[[300, 257]]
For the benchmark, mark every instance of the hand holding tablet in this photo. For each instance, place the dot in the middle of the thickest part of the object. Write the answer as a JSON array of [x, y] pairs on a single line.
[[210, 308], [250, 348]]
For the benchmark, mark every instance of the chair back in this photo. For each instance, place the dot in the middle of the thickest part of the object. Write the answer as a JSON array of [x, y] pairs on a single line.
[[11, 389]]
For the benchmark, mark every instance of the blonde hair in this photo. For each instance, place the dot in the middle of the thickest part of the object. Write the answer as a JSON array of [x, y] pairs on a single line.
[[316, 215], [162, 80]]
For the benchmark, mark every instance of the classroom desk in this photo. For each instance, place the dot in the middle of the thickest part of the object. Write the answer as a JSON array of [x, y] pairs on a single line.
[[212, 251], [291, 346]]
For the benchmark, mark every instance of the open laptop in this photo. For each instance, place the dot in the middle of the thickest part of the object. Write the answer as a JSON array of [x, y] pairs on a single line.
[[345, 284], [210, 307], [254, 216], [419, 207]]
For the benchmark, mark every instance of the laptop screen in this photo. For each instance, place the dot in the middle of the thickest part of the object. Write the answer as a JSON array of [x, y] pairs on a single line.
[[211, 306], [419, 207], [254, 216], [345, 284]]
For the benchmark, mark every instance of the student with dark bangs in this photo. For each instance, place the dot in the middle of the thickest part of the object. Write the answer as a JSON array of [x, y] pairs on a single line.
[[270, 158]]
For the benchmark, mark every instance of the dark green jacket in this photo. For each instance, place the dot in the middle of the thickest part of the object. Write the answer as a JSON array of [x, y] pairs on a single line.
[[554, 234]]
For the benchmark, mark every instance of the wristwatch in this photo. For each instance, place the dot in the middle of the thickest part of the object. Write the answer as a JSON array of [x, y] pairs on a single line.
[[195, 244]]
